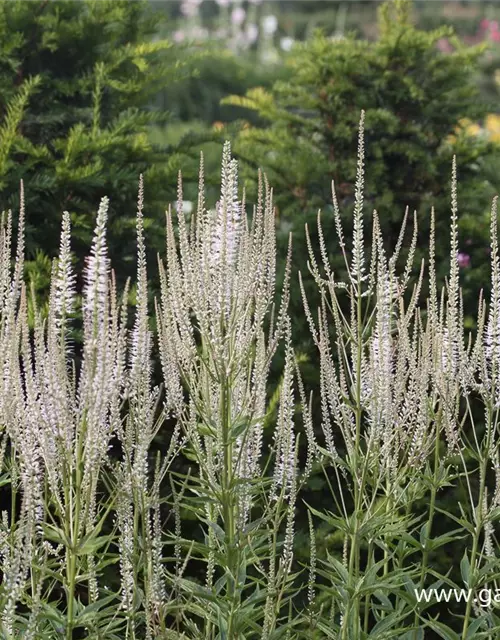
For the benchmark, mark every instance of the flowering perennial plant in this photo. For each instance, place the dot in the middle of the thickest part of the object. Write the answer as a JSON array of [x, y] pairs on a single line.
[[217, 289], [398, 382], [96, 535]]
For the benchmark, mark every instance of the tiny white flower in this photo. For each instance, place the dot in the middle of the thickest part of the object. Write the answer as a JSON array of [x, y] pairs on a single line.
[[287, 43], [187, 206], [270, 24]]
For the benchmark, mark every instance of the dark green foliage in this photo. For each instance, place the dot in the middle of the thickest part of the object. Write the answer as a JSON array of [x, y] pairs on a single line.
[[218, 73], [413, 96], [195, 104], [76, 79]]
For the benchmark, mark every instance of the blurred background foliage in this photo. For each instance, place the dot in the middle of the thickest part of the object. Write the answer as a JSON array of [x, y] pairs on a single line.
[[78, 85]]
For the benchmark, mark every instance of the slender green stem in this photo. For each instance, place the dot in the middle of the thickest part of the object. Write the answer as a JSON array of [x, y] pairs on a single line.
[[478, 520], [358, 488], [388, 513], [74, 526], [432, 508], [475, 543], [367, 598], [228, 504]]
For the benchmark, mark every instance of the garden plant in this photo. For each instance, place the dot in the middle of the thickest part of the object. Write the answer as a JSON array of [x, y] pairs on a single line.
[[410, 407]]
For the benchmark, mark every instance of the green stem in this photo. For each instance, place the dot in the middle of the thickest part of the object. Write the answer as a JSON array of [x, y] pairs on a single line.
[[432, 508], [358, 488], [228, 505], [475, 543], [367, 598], [74, 526], [479, 522], [388, 513]]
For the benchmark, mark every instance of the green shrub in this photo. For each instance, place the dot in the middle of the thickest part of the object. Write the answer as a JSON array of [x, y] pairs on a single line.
[[77, 80]]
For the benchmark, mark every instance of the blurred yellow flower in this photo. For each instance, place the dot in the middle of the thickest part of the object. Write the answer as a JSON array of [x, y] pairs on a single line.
[[464, 126], [218, 126], [492, 123], [490, 130], [470, 128]]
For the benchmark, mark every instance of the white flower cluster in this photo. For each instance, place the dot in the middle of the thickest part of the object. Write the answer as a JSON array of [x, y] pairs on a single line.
[[392, 378], [217, 291], [394, 375]]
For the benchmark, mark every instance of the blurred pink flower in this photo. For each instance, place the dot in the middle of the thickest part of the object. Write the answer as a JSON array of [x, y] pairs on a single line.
[[252, 32], [491, 29], [238, 15], [179, 36], [444, 45], [463, 260]]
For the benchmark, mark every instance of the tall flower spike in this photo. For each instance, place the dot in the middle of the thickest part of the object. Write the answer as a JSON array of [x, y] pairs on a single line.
[[64, 294], [452, 329], [226, 229], [382, 341], [97, 271], [492, 337], [19, 268], [140, 335], [449, 332], [285, 465], [454, 283], [16, 281], [433, 299], [5, 257], [358, 261]]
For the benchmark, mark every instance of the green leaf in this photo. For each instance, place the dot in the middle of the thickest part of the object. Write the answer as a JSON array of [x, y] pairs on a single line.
[[465, 568], [55, 534], [442, 630], [90, 545], [88, 615], [217, 529], [474, 628]]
